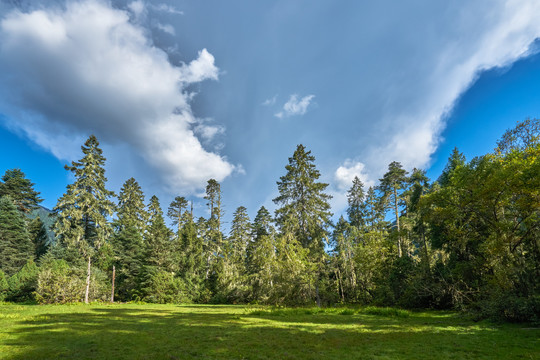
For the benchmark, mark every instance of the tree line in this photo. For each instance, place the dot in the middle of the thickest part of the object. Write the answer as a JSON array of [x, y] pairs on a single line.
[[469, 240]]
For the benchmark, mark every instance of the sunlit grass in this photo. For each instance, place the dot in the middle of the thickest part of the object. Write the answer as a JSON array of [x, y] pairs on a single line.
[[135, 331]]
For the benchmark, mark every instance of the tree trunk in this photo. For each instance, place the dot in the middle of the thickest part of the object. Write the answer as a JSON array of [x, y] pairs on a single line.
[[340, 286], [317, 293], [113, 276], [87, 280], [397, 222]]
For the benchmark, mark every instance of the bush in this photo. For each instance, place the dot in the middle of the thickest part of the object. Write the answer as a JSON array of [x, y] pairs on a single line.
[[4, 286], [163, 287], [511, 308], [58, 283], [23, 283]]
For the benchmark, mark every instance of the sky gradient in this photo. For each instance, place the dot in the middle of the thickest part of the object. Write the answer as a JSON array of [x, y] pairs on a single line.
[[178, 92]]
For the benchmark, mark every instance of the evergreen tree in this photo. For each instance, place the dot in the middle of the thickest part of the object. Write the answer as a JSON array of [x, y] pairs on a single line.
[[213, 242], [175, 211], [129, 257], [158, 238], [38, 235], [455, 160], [21, 190], [238, 240], [304, 209], [344, 256], [4, 286], [261, 254], [305, 212], [191, 257], [213, 196], [374, 211], [16, 248], [355, 198], [131, 209], [83, 211], [240, 236], [391, 184]]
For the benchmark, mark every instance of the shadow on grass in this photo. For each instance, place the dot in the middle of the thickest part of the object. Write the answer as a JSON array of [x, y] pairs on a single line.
[[198, 332]]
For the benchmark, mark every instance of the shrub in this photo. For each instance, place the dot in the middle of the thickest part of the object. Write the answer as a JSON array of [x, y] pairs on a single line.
[[23, 283], [509, 307], [59, 283], [163, 287], [4, 286]]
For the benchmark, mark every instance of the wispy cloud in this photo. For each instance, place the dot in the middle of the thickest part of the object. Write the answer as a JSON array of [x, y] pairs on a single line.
[[166, 28], [65, 74], [295, 106], [269, 102], [167, 9]]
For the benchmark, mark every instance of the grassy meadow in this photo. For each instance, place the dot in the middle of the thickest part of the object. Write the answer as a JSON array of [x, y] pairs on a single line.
[[133, 331]]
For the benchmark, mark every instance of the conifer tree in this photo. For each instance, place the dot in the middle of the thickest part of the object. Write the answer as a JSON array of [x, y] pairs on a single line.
[[38, 235], [158, 238], [131, 208], [128, 240], [391, 185], [213, 196], [191, 256], [355, 198], [455, 160], [304, 211], [16, 248], [213, 237], [175, 211], [21, 190], [304, 207], [238, 240], [374, 211], [83, 212], [240, 235], [261, 254]]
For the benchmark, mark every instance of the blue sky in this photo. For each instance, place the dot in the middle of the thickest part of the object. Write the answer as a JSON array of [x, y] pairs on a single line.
[[182, 91]]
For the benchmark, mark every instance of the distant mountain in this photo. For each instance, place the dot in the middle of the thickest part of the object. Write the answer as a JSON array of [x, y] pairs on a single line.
[[48, 218]]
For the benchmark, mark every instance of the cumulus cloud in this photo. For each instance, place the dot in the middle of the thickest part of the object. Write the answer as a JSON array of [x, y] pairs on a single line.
[[138, 8], [200, 69], [85, 68], [295, 106], [346, 173]]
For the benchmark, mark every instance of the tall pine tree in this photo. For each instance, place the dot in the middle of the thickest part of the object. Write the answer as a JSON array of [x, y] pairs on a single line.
[[83, 212], [304, 211], [16, 248], [392, 184], [21, 190]]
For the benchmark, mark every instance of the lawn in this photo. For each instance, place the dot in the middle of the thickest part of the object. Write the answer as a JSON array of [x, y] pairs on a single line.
[[132, 331]]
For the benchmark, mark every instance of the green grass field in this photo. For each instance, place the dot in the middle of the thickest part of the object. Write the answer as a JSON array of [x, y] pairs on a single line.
[[131, 331]]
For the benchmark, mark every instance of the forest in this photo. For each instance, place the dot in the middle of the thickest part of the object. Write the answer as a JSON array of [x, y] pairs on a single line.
[[468, 241]]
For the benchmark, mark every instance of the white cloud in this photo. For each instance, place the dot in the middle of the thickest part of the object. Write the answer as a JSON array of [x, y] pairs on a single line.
[[269, 102], [166, 28], [167, 9], [138, 8], [295, 106], [65, 74], [346, 173], [200, 69]]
